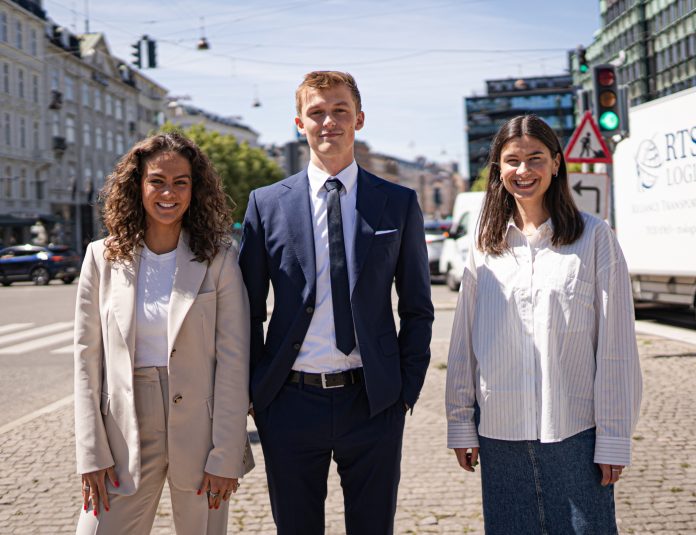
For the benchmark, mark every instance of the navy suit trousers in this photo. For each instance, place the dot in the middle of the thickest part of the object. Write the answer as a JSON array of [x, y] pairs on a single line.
[[302, 428]]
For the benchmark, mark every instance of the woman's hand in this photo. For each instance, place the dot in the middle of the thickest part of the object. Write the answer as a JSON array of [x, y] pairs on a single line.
[[610, 473], [467, 459], [94, 488], [218, 487]]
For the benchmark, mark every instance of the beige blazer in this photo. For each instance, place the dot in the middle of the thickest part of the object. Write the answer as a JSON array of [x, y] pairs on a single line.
[[208, 346]]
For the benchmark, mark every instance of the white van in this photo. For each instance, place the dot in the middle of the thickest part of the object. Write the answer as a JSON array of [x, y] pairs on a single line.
[[465, 214]]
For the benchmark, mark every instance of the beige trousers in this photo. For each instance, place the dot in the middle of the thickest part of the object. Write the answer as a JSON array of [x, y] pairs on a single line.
[[135, 514]]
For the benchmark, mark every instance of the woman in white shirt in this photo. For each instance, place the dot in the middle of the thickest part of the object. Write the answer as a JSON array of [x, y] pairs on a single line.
[[543, 378], [161, 348]]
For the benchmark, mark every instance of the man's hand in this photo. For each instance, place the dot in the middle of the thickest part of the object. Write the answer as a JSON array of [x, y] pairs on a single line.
[[610, 473], [467, 459]]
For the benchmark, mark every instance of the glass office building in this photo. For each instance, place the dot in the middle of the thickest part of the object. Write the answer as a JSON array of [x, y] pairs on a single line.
[[549, 97], [654, 43]]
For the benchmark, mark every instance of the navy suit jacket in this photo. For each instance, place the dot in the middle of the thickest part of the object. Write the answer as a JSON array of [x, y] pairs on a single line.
[[278, 247]]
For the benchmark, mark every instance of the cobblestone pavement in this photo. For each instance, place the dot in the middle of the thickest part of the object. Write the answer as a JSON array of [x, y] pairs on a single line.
[[39, 492]]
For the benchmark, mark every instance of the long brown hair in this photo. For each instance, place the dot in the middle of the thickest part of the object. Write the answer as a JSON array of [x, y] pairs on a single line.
[[208, 219], [499, 204]]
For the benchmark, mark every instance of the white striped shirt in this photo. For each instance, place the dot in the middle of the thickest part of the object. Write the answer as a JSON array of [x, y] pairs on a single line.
[[544, 341]]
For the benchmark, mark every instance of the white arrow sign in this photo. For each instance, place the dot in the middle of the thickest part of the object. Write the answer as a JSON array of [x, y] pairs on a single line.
[[591, 193]]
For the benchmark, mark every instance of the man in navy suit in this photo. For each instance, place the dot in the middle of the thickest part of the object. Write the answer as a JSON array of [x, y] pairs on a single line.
[[333, 376]]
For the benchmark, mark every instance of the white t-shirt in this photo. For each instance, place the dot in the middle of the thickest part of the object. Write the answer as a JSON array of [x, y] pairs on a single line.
[[153, 290]]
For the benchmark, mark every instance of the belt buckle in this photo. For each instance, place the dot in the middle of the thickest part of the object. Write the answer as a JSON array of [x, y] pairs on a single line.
[[323, 382]]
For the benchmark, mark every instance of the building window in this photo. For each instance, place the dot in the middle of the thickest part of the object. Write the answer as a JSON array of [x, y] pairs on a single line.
[[69, 88], [3, 27], [8, 182], [23, 184], [8, 130], [98, 138], [87, 183], [118, 108], [109, 141], [22, 133], [70, 129], [39, 185], [37, 142], [86, 135], [108, 104], [19, 38], [55, 124], [119, 144], [6, 77], [85, 94], [97, 100], [20, 83], [33, 43], [35, 88], [55, 80]]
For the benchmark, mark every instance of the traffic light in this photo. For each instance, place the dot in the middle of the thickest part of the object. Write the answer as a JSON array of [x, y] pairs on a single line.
[[581, 54], [137, 54], [606, 99], [151, 53]]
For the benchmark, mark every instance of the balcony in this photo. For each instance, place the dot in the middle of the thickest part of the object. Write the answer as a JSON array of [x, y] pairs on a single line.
[[56, 100], [59, 144]]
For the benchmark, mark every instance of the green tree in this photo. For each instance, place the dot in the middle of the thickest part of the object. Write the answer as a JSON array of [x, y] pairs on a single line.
[[242, 168], [481, 182]]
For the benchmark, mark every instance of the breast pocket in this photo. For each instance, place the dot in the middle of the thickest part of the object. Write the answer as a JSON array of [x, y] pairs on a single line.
[[575, 305], [386, 238]]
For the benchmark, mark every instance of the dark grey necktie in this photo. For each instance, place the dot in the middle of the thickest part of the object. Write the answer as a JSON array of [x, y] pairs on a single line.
[[340, 288]]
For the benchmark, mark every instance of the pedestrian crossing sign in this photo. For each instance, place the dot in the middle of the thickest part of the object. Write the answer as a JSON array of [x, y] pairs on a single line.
[[587, 145]]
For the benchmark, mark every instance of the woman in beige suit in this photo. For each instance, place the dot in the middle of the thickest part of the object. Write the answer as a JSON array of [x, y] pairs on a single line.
[[161, 348]]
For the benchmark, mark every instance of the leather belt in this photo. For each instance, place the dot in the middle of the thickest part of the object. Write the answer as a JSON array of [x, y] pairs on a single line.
[[327, 380]]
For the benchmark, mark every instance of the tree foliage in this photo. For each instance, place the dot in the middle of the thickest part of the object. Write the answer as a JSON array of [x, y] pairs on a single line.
[[481, 182], [242, 168]]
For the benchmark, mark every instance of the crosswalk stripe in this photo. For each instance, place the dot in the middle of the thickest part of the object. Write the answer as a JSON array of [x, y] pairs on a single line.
[[39, 343], [67, 350], [33, 333], [14, 327]]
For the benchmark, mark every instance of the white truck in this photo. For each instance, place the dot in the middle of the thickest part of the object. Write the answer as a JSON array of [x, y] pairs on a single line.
[[465, 214], [655, 199]]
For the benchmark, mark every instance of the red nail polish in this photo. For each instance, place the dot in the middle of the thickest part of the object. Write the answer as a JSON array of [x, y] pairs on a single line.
[[95, 512], [107, 509], [198, 492], [85, 506], [116, 484]]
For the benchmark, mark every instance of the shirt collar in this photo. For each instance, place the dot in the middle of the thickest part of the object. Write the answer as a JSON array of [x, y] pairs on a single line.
[[317, 177], [545, 228]]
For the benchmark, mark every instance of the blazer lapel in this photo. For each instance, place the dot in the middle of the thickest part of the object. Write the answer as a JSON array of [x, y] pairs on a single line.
[[369, 206], [296, 207], [123, 288], [188, 276]]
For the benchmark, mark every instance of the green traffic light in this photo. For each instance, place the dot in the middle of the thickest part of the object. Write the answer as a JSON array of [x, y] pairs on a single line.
[[609, 120], [584, 68]]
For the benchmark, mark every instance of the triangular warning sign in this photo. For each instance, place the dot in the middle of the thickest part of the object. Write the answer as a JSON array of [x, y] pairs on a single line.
[[587, 144]]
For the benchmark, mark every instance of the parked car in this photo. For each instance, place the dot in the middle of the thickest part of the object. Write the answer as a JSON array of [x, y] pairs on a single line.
[[435, 234], [38, 264], [465, 214]]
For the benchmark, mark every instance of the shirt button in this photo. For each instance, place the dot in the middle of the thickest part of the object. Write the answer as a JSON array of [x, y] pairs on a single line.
[[296, 346], [309, 310], [176, 399]]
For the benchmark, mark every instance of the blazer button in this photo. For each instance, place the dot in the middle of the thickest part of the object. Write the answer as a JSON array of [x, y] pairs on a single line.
[[296, 346], [177, 398], [309, 310]]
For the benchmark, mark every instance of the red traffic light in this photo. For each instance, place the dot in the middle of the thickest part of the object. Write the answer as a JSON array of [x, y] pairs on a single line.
[[605, 77]]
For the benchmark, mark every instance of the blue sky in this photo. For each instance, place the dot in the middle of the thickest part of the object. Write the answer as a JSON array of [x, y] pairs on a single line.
[[414, 61]]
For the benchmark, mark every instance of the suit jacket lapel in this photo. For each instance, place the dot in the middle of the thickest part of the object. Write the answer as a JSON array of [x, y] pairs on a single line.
[[123, 288], [188, 276], [296, 207], [369, 206]]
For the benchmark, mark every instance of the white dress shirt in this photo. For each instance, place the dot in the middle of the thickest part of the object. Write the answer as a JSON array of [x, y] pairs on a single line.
[[316, 355], [544, 341], [154, 289]]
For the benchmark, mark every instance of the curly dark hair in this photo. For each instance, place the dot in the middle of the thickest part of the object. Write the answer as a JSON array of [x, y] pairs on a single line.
[[208, 219], [499, 204]]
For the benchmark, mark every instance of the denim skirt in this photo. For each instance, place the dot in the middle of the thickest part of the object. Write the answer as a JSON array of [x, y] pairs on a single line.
[[551, 488]]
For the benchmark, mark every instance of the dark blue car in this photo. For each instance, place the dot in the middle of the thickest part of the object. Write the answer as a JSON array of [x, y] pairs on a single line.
[[38, 264]]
